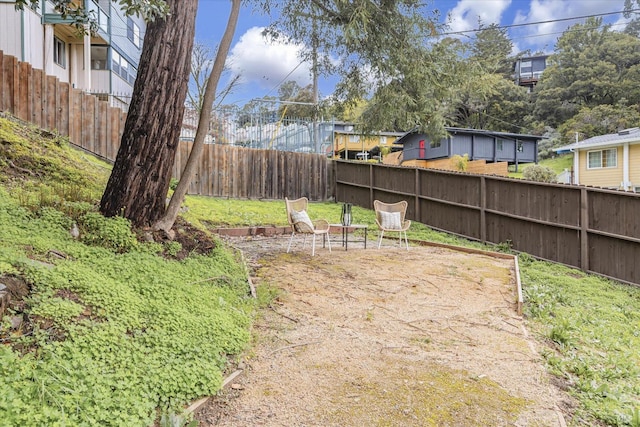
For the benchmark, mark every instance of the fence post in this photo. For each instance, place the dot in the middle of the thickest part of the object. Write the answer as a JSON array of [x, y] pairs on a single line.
[[483, 207], [584, 226], [370, 186], [417, 196]]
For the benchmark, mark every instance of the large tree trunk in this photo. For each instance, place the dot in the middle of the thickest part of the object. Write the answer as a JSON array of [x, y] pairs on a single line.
[[171, 214], [139, 182]]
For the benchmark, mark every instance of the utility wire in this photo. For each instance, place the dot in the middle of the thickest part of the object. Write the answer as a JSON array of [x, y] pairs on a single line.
[[284, 79], [538, 22]]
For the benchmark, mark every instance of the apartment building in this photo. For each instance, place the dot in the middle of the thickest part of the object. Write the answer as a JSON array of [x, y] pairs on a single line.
[[103, 63]]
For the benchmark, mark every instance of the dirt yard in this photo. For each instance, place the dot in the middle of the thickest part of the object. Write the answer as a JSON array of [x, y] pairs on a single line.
[[389, 337]]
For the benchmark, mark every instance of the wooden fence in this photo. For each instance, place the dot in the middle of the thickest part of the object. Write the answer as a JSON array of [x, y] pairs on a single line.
[[594, 229], [236, 172], [30, 95], [89, 123]]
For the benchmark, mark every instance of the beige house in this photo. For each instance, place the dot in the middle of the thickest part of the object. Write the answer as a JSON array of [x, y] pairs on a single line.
[[609, 161]]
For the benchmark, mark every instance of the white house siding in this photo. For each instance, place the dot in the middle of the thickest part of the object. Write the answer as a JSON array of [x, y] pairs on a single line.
[[61, 72], [119, 86], [11, 24], [100, 81], [13, 34], [634, 165]]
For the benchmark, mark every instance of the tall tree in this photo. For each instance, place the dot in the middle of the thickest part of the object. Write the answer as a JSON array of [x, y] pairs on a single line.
[[370, 44], [591, 66], [490, 99], [201, 61], [201, 65], [168, 219], [299, 102], [139, 181], [491, 49]]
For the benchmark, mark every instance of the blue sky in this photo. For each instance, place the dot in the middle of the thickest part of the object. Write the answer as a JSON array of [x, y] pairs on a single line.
[[264, 66]]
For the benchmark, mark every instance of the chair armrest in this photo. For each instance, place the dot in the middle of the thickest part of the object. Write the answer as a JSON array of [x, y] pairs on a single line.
[[321, 225], [406, 224]]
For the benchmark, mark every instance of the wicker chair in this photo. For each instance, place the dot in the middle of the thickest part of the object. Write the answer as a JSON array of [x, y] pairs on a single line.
[[390, 218], [301, 224]]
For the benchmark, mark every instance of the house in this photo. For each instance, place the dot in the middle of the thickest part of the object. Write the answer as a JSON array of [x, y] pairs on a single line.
[[528, 69], [350, 144], [482, 146], [609, 161], [104, 63]]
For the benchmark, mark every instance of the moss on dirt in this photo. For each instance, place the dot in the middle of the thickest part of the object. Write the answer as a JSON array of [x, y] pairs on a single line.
[[435, 396]]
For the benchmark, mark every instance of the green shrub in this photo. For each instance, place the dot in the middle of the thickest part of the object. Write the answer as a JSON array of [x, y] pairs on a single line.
[[112, 233], [539, 174]]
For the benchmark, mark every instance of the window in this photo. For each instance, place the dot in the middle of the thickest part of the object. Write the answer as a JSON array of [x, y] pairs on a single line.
[[133, 32], [354, 138], [124, 69], [435, 144], [99, 57], [500, 145], [525, 67], [133, 73], [115, 62], [103, 21], [519, 146], [602, 159], [59, 52]]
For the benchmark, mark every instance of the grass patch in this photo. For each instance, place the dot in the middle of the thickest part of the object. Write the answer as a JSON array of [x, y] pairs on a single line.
[[592, 329]]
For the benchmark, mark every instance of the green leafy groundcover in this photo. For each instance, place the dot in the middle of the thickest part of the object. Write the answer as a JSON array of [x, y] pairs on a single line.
[[113, 337]]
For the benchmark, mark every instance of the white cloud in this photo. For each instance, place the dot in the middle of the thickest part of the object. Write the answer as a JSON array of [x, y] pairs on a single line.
[[265, 63], [544, 35], [468, 14]]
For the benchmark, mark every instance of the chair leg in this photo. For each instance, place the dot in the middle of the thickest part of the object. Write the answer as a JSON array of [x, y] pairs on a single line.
[[328, 242], [406, 241], [290, 240], [313, 247], [380, 238]]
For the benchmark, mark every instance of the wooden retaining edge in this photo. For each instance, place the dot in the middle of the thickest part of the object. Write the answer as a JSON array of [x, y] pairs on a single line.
[[500, 255], [275, 231], [198, 403]]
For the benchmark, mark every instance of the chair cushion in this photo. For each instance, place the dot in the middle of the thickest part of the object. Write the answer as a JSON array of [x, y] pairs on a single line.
[[302, 217], [390, 220]]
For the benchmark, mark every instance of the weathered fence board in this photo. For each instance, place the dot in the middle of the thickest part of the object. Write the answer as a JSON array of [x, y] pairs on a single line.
[[593, 229]]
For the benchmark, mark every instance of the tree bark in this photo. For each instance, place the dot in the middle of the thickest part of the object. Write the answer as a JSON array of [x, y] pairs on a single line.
[[167, 221], [139, 181]]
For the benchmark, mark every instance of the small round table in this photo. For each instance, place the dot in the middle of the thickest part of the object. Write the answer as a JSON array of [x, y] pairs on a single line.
[[346, 229]]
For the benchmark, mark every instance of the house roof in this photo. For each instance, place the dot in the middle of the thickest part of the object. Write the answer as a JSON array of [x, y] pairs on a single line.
[[627, 135], [372, 135], [454, 130]]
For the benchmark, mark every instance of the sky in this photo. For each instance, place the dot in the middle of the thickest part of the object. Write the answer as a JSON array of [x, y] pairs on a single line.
[[263, 66]]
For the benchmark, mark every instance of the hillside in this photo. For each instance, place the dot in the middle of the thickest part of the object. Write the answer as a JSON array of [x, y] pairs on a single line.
[[101, 326]]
